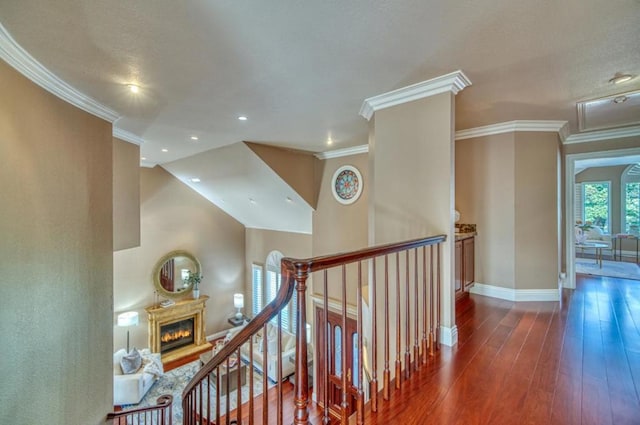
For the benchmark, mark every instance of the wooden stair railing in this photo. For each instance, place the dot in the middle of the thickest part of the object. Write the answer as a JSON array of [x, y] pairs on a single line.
[[160, 414], [416, 267]]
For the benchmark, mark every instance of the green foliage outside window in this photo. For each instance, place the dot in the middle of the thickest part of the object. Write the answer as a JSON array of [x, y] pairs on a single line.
[[632, 207], [596, 205]]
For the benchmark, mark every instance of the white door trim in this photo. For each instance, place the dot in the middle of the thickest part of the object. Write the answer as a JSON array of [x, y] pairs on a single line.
[[569, 190]]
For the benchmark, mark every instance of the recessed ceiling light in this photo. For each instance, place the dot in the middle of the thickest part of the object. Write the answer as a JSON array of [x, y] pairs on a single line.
[[329, 141], [289, 200], [194, 137], [251, 200], [144, 158], [242, 118], [165, 150], [620, 78], [620, 99], [133, 88], [195, 180]]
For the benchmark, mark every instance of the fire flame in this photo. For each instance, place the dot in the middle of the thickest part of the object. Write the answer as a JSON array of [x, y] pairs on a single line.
[[175, 335]]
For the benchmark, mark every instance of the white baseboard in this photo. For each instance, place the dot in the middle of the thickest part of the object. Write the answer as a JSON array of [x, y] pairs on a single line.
[[449, 336], [217, 335], [511, 294]]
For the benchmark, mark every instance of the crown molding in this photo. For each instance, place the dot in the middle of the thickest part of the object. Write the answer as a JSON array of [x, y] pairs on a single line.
[[338, 153], [127, 136], [453, 82], [599, 135], [513, 126], [12, 53]]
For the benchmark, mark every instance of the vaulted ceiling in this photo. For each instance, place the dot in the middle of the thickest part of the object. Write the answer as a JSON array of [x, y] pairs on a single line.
[[300, 70]]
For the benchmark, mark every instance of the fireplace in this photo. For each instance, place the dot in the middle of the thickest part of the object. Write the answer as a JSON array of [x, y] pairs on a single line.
[[178, 330], [176, 335]]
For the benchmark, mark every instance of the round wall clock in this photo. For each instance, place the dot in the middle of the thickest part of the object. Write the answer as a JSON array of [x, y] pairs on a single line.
[[347, 184]]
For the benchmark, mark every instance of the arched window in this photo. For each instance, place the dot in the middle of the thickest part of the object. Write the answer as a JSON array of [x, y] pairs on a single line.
[[264, 291], [630, 183]]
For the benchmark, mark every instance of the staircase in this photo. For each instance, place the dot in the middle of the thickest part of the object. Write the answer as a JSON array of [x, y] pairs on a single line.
[[394, 289]]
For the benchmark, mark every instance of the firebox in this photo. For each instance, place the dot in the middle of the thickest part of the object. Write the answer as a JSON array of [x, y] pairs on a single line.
[[175, 335]]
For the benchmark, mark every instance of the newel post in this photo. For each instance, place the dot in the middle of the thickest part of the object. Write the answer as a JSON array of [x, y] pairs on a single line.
[[301, 398]]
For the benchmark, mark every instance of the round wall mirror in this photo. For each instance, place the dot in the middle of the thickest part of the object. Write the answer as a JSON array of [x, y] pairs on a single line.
[[171, 271]]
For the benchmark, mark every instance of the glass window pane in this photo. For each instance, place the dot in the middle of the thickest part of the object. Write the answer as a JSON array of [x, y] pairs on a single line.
[[632, 208], [596, 205], [337, 341], [256, 288]]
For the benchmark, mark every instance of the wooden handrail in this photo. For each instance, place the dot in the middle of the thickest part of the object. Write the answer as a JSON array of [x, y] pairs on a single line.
[[295, 273], [163, 404]]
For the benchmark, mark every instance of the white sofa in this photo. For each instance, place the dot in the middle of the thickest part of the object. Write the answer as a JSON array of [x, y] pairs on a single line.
[[129, 389], [595, 234]]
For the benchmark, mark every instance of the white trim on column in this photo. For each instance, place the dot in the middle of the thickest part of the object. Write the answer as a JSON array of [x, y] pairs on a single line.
[[127, 136], [595, 136], [569, 187], [449, 336], [511, 294], [453, 82], [12, 53], [513, 126], [338, 153]]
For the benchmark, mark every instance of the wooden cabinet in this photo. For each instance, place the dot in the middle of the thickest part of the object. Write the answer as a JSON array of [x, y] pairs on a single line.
[[465, 265], [468, 261]]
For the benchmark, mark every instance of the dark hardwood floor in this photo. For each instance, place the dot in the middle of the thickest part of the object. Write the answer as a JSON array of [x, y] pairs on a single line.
[[573, 362]]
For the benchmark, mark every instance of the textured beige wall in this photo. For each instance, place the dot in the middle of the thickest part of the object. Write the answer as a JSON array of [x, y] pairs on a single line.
[[508, 185], [300, 170], [260, 242], [412, 160], [337, 227], [413, 194], [175, 217], [536, 212], [485, 195], [126, 195], [56, 250]]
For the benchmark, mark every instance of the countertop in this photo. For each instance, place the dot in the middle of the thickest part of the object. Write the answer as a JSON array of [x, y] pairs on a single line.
[[460, 236]]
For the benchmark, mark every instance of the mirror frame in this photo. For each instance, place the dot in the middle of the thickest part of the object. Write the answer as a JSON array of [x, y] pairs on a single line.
[[158, 267]]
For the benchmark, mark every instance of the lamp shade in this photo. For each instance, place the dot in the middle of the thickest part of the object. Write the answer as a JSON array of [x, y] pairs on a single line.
[[130, 318], [238, 300]]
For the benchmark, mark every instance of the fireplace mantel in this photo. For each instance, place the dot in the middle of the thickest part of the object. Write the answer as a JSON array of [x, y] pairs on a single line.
[[182, 309]]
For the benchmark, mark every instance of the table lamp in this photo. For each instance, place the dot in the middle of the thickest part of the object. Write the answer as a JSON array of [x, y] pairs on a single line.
[[238, 302], [129, 318]]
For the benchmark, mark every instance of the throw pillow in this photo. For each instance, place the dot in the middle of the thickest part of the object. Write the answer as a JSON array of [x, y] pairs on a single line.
[[290, 343], [131, 362]]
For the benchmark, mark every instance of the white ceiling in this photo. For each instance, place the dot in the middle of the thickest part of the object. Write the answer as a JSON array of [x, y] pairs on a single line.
[[299, 70], [241, 184]]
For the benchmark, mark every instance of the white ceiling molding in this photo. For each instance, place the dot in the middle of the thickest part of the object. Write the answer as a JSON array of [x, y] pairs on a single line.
[[513, 126], [596, 136], [453, 82], [12, 53], [338, 153], [127, 136]]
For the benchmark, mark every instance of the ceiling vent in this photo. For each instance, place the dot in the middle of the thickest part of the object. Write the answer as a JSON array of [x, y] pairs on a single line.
[[618, 110]]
